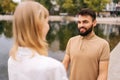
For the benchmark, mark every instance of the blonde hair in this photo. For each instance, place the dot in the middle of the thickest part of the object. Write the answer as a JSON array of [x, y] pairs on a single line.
[[28, 22]]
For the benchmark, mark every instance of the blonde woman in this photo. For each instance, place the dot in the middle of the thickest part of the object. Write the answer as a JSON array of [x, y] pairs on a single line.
[[28, 57]]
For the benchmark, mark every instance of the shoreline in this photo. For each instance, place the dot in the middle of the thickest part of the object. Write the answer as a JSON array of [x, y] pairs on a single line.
[[104, 20]]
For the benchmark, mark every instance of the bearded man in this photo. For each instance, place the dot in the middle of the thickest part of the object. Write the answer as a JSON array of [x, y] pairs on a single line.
[[87, 54]]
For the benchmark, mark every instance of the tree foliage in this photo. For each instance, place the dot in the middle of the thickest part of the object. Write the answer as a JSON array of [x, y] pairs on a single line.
[[74, 6], [97, 5], [7, 6], [46, 3], [68, 6], [116, 1], [71, 6]]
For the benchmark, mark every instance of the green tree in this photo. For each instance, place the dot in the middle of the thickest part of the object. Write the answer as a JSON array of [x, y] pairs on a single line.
[[71, 6], [97, 5], [79, 4], [60, 3], [46, 3], [68, 6], [116, 1], [7, 6]]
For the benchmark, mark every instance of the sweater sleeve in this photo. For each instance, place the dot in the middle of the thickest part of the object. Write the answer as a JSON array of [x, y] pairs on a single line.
[[105, 52], [60, 73]]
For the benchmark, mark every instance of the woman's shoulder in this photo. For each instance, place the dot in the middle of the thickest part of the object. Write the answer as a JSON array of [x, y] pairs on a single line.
[[24, 57]]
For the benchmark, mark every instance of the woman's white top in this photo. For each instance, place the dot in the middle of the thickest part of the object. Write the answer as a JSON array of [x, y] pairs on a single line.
[[37, 67]]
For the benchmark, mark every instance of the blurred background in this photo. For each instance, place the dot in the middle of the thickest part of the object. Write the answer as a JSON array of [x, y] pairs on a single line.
[[63, 25]]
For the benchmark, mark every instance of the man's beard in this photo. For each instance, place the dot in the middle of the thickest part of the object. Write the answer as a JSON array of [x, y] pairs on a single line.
[[88, 31]]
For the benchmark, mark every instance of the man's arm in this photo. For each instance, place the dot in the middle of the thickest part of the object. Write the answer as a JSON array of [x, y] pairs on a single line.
[[66, 61], [103, 70]]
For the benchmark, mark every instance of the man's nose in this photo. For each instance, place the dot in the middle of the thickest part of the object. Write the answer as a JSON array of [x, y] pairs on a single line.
[[80, 25]]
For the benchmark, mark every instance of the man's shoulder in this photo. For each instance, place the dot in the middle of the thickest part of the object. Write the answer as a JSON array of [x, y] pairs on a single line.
[[101, 40]]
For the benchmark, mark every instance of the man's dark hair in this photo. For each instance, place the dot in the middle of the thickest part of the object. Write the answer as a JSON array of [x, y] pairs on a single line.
[[87, 11]]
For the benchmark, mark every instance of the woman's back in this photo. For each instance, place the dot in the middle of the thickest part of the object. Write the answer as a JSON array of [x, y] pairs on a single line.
[[37, 67], [27, 56]]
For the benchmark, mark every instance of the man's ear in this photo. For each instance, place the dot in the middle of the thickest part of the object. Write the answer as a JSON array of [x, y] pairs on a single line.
[[94, 23]]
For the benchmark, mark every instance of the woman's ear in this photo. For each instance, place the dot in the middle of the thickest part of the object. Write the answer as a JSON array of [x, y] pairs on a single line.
[[94, 23]]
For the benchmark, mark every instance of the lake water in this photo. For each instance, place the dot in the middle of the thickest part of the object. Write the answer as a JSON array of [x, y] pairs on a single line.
[[57, 37]]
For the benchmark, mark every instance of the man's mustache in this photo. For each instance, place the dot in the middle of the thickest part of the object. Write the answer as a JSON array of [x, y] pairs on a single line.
[[82, 27]]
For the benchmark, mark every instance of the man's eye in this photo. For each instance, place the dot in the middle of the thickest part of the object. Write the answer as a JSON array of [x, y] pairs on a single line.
[[85, 21]]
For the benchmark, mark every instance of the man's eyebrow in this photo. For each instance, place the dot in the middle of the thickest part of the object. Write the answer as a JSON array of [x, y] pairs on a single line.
[[82, 20], [85, 20]]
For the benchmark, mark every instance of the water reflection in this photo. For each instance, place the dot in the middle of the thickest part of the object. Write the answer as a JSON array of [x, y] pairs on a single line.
[[110, 32], [6, 28], [60, 33], [57, 37]]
